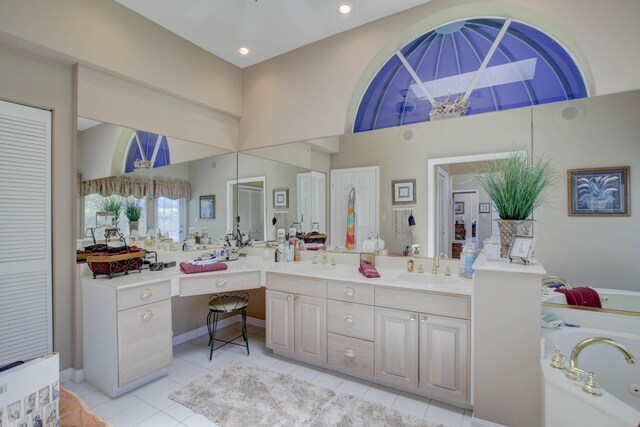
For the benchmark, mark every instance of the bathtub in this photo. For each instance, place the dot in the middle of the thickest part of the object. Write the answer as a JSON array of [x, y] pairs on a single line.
[[566, 404], [612, 299]]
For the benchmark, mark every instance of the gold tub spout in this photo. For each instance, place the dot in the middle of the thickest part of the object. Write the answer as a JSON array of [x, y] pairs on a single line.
[[574, 373]]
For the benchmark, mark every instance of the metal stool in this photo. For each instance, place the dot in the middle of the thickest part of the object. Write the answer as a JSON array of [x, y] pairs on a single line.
[[232, 302]]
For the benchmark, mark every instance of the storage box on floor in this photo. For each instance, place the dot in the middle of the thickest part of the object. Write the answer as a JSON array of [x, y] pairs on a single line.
[[30, 393]]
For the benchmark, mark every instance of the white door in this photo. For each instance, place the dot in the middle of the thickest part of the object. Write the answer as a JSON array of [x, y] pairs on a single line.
[[396, 356], [250, 211], [304, 201], [310, 321], [279, 321], [444, 206], [25, 232], [444, 356], [366, 181]]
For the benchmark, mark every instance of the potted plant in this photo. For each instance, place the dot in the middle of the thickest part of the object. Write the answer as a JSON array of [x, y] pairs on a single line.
[[113, 205], [133, 211], [516, 186]]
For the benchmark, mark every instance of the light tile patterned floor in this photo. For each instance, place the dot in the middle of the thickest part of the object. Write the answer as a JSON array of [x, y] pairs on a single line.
[[150, 406]]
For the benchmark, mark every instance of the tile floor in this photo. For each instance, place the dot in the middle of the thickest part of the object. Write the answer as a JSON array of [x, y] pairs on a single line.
[[150, 406]]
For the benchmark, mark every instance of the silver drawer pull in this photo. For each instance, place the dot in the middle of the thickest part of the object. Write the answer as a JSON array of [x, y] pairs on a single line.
[[349, 291], [146, 293], [423, 319], [146, 314], [350, 353], [349, 318], [221, 282], [413, 317]]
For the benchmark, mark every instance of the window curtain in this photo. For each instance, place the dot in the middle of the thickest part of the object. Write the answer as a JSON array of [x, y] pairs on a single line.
[[138, 187]]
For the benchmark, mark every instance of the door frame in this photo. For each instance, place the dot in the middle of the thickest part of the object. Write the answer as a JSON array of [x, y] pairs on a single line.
[[230, 184], [375, 169], [444, 213]]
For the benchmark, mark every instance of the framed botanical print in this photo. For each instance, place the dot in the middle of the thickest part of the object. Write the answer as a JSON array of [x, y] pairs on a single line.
[[599, 191], [208, 207]]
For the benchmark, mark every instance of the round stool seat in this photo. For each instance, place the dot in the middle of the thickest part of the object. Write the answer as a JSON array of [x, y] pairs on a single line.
[[231, 302], [227, 303]]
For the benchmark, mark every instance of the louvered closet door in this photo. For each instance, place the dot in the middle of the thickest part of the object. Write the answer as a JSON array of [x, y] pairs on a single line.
[[25, 232]]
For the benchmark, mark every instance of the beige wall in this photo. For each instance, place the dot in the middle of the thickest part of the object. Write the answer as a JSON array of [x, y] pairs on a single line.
[[313, 91], [109, 37], [595, 251], [42, 83]]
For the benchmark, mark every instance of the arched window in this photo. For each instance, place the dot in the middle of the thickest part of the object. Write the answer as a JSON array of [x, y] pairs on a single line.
[[146, 150], [469, 67]]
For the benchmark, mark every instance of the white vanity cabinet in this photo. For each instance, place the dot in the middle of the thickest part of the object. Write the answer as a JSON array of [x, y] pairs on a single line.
[[296, 317], [127, 333], [419, 347]]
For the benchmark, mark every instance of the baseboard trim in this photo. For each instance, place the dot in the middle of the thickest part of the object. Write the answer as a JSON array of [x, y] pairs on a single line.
[[477, 422], [72, 374], [195, 333]]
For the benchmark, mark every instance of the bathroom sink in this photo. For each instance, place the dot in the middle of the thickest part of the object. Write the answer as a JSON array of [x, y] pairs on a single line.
[[428, 279]]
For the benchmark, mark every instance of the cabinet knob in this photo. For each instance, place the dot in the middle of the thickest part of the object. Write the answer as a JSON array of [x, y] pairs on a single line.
[[288, 297], [350, 353], [295, 298], [348, 318], [146, 293], [146, 314], [423, 319], [349, 291], [221, 282], [413, 317]]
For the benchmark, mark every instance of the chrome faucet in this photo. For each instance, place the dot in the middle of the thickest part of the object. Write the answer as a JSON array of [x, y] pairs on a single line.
[[574, 373], [436, 262], [553, 279]]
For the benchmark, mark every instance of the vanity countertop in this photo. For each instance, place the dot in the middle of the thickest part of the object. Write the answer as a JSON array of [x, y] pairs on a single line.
[[390, 277]]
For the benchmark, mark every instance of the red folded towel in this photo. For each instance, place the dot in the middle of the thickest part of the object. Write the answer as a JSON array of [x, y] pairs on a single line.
[[582, 296], [368, 270], [188, 268]]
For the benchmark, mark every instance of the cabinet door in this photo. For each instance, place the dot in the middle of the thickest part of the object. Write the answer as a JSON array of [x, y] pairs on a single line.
[[311, 328], [396, 356], [444, 356], [279, 321]]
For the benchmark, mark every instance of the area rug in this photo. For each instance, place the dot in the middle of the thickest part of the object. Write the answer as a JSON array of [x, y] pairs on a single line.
[[241, 394], [75, 413]]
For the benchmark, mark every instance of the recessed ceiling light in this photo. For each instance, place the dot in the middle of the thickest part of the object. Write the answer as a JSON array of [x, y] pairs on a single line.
[[243, 50], [345, 8]]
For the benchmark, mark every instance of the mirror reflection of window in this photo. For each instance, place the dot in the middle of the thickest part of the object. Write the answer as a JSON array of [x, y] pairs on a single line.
[[169, 215]]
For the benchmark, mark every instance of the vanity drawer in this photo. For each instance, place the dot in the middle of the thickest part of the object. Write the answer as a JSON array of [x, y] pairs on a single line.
[[350, 353], [450, 305], [144, 340], [351, 292], [347, 318], [134, 297], [212, 284], [297, 285]]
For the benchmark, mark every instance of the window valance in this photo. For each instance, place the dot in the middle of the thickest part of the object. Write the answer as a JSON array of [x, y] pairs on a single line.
[[138, 187]]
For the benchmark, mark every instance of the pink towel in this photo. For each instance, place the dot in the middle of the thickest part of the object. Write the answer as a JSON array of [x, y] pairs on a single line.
[[368, 270], [187, 268], [583, 297]]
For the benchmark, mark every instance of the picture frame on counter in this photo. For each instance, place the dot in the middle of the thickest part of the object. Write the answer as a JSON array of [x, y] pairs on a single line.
[[521, 248]]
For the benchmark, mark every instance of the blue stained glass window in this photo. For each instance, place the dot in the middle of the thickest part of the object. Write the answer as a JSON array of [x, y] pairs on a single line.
[[151, 144], [527, 68]]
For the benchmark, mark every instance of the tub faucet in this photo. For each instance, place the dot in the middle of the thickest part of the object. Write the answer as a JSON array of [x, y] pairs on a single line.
[[553, 279], [574, 373], [436, 262]]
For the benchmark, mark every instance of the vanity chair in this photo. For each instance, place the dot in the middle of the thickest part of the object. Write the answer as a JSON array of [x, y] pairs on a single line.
[[230, 302]]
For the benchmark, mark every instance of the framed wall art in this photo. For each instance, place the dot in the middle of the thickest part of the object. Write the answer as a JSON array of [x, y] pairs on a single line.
[[458, 208], [280, 197], [208, 207], [484, 207], [598, 191], [403, 191]]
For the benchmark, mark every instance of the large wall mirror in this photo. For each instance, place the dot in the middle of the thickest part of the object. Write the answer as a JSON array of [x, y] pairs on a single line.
[[179, 185]]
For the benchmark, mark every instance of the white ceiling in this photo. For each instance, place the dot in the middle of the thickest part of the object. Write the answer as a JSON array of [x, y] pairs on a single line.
[[267, 27]]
